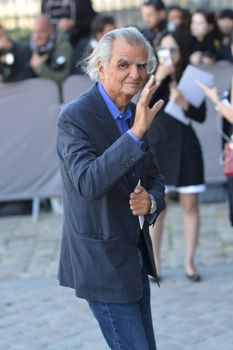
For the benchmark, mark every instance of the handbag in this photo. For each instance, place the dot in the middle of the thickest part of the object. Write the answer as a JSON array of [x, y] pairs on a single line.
[[228, 159]]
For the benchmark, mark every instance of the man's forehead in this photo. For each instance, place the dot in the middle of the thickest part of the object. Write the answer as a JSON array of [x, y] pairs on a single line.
[[122, 49]]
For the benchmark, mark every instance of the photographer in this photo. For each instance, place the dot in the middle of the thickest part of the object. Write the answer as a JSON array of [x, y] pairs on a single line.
[[12, 59], [52, 54], [73, 17]]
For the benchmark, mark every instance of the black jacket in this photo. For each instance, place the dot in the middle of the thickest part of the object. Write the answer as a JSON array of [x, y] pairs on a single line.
[[176, 145]]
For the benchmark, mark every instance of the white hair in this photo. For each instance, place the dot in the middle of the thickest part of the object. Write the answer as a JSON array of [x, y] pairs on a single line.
[[103, 50]]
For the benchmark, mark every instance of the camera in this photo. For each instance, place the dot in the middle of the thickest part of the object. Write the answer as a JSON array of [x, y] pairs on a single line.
[[7, 58], [7, 64], [57, 63]]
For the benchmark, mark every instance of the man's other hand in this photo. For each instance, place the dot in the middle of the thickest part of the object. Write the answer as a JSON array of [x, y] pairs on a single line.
[[140, 201]]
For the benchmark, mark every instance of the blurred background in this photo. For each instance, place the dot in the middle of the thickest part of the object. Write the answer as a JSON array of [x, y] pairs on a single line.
[[20, 13]]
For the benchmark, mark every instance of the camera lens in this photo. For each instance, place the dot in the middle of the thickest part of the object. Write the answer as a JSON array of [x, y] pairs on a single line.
[[60, 60], [9, 59]]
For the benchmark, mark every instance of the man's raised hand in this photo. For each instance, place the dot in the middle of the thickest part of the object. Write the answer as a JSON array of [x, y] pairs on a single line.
[[144, 114]]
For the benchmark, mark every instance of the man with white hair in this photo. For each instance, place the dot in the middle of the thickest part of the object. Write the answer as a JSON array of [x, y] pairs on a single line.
[[113, 190]]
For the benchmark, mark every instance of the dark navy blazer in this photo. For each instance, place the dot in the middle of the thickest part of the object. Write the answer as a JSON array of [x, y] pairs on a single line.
[[99, 251]]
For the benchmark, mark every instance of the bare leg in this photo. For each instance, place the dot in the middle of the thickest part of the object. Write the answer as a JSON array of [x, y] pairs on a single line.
[[156, 233], [189, 203]]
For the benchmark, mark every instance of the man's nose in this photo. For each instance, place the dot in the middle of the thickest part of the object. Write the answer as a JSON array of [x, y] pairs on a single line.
[[134, 71]]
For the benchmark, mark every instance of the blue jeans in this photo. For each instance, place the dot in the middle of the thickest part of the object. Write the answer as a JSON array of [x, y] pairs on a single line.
[[127, 326]]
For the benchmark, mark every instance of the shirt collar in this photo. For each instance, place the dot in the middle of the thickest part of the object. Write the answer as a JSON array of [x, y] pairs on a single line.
[[115, 112]]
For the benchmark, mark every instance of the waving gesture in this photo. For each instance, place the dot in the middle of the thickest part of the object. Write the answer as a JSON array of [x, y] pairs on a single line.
[[144, 114]]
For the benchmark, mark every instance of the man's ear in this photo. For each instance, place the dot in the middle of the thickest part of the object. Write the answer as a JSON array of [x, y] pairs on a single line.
[[101, 70]]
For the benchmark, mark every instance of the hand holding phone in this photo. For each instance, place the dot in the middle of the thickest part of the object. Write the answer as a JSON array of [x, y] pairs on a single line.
[[164, 56]]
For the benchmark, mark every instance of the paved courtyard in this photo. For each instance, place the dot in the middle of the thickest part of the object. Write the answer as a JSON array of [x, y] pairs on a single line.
[[35, 313]]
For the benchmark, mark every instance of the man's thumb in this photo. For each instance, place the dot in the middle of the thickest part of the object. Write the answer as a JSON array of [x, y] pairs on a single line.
[[138, 189]]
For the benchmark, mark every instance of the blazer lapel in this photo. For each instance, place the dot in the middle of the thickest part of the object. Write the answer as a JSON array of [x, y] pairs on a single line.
[[105, 118], [108, 125]]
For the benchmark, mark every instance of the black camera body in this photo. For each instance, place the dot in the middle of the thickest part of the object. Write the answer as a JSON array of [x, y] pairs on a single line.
[[55, 63], [7, 57], [7, 64]]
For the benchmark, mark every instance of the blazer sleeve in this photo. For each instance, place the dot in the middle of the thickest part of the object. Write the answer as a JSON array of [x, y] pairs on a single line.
[[154, 185], [93, 175]]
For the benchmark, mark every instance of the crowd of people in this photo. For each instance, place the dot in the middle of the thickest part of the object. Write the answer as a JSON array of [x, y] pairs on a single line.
[[67, 31]]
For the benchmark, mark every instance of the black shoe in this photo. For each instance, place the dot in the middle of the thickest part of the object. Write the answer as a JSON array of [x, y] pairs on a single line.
[[195, 277]]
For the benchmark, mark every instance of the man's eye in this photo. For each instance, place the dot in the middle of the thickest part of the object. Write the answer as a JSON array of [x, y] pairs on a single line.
[[142, 66], [124, 65]]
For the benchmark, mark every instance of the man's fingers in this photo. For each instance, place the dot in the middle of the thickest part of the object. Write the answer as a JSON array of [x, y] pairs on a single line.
[[157, 106], [148, 90], [138, 189], [151, 82]]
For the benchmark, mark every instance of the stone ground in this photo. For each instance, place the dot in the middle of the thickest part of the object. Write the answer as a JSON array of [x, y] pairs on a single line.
[[36, 313]]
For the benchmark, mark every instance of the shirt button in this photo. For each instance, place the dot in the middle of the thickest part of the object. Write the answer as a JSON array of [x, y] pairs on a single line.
[[120, 116]]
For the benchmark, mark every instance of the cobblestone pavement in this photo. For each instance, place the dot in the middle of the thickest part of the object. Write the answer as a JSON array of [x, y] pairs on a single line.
[[36, 313]]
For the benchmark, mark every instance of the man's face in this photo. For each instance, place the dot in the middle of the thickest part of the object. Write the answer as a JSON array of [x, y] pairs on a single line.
[[150, 16], [126, 71], [225, 25], [176, 17], [41, 32]]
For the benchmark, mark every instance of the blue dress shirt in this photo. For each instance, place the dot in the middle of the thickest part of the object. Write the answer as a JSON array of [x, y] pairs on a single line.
[[120, 118]]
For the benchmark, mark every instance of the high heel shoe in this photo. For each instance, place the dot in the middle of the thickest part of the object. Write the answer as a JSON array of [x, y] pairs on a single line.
[[195, 277]]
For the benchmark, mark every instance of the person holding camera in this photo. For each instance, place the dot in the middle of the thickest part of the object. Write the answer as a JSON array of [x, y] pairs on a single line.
[[52, 54], [101, 25], [13, 56], [73, 17]]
